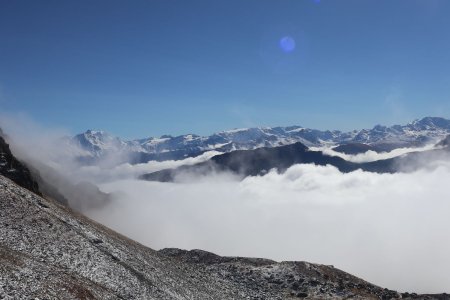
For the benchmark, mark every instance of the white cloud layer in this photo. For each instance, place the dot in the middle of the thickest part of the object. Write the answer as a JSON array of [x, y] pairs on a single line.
[[127, 171], [391, 230], [372, 155]]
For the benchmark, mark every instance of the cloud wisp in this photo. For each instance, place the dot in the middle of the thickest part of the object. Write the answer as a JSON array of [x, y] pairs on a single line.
[[371, 155]]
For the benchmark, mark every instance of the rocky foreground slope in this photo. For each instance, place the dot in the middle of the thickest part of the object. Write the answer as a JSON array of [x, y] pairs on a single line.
[[49, 252]]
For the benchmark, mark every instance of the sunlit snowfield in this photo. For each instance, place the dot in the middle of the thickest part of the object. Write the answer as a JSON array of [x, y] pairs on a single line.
[[388, 229]]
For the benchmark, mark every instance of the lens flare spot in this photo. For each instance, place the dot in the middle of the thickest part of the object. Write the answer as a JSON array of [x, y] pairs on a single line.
[[287, 44]]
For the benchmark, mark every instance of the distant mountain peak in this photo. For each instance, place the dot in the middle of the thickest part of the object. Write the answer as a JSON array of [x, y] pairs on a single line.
[[97, 133], [436, 121]]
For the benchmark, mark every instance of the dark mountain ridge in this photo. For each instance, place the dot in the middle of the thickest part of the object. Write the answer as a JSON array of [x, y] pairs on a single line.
[[261, 160], [356, 148]]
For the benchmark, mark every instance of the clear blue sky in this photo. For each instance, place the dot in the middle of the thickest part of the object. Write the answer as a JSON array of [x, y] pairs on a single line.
[[146, 68]]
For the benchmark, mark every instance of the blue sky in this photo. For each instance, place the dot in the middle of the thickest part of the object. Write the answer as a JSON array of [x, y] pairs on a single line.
[[146, 68]]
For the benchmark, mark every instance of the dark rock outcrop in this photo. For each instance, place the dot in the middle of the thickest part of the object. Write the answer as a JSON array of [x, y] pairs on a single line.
[[444, 142], [354, 148], [15, 170]]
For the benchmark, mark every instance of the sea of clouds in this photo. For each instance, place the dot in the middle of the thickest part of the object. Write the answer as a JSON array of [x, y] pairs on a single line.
[[390, 229]]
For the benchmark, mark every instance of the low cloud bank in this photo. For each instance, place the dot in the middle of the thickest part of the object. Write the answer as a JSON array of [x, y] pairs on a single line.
[[129, 171], [372, 155], [390, 229]]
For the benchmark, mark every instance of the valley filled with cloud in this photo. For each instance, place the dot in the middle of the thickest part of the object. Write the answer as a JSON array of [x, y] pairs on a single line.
[[390, 229]]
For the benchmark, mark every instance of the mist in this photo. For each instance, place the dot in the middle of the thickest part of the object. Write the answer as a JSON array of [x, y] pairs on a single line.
[[373, 155], [54, 162], [389, 229]]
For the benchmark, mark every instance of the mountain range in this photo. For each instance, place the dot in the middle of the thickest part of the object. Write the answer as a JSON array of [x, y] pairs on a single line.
[[48, 251], [97, 145]]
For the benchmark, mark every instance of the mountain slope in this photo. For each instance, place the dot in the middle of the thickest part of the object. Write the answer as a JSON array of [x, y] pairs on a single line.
[[48, 251], [13, 169]]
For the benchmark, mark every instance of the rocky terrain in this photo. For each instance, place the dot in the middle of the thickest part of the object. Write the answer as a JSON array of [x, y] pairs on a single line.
[[48, 251], [13, 169]]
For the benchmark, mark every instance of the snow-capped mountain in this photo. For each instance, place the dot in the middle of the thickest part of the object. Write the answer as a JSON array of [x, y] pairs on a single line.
[[98, 142], [418, 132]]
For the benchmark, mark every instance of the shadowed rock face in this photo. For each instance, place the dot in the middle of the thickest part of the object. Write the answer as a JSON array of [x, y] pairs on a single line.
[[355, 148], [49, 252], [13, 169], [444, 142]]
